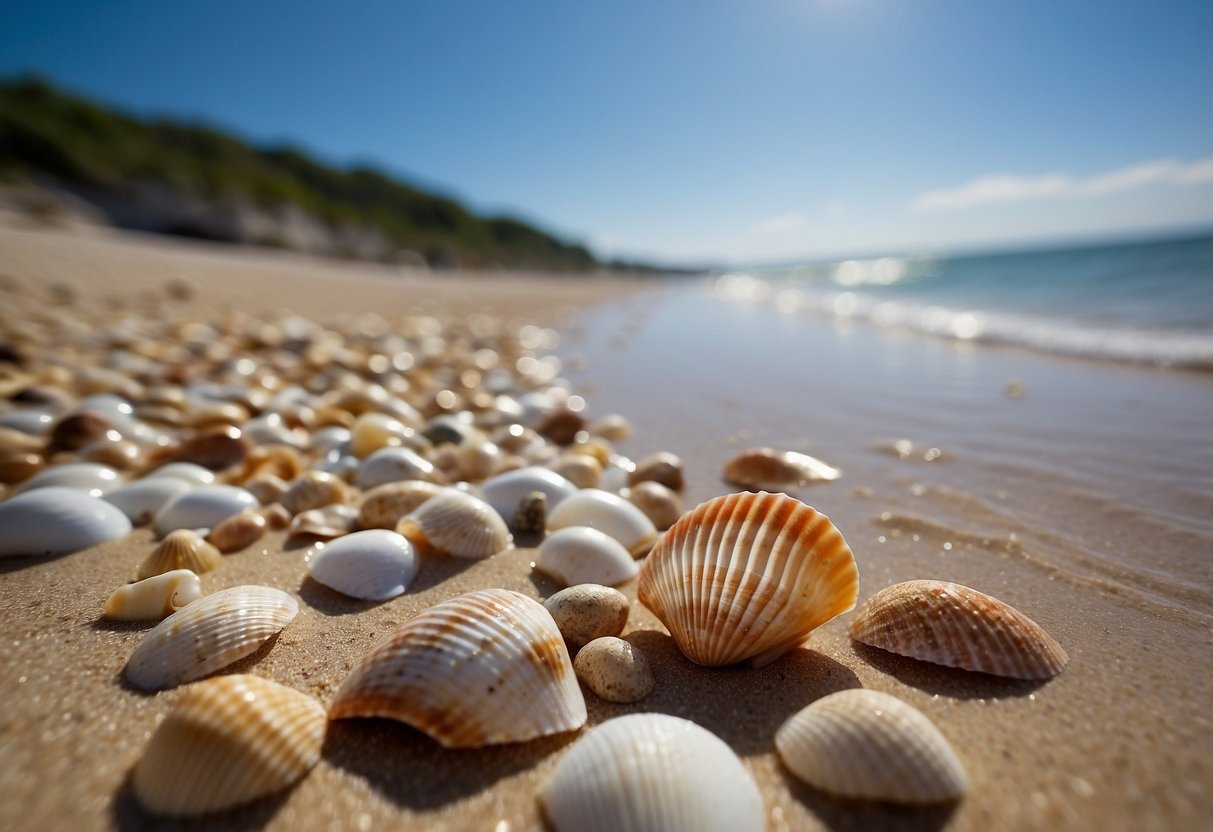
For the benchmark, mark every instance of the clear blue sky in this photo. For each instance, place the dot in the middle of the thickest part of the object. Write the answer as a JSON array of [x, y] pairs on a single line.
[[753, 130]]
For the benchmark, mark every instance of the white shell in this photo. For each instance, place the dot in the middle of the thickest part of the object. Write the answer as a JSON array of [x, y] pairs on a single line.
[[208, 635], [649, 772], [505, 491], [581, 555], [153, 598], [610, 514], [140, 500], [90, 477], [203, 508], [56, 521], [373, 565], [866, 744], [458, 524], [393, 465], [184, 471]]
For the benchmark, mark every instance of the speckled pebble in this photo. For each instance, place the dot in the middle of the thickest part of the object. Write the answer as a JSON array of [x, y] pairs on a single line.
[[614, 669], [588, 611], [659, 503]]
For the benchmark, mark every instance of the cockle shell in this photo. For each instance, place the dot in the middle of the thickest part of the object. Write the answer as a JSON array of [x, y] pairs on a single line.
[[581, 555], [203, 507], [458, 524], [151, 599], [180, 549], [767, 468], [314, 489], [954, 625], [89, 477], [382, 507], [373, 565], [56, 521], [394, 465], [651, 771], [238, 531], [142, 499], [610, 514], [484, 668], [505, 491], [866, 744], [208, 635], [227, 741], [748, 576]]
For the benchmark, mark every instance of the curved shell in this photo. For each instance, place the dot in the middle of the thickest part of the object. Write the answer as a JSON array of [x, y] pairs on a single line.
[[610, 514], [394, 465], [866, 744], [314, 489], [90, 477], [581, 555], [227, 741], [373, 565], [203, 507], [659, 503], [151, 599], [748, 576], [140, 500], [651, 771], [208, 635], [505, 491], [484, 668], [767, 468], [954, 625], [458, 524], [184, 471], [56, 521], [323, 523], [238, 531], [180, 549], [382, 507]]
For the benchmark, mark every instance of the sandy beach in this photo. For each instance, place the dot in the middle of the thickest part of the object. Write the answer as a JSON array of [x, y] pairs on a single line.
[[1085, 503]]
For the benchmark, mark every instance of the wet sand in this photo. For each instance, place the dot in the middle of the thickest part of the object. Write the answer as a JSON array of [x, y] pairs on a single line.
[[1055, 503]]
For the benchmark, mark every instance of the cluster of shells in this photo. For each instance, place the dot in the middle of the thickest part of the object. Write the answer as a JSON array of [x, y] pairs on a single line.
[[384, 445]]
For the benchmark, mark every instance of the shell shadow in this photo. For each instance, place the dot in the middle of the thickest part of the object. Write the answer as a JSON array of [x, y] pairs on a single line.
[[945, 681], [331, 602], [115, 626], [842, 814], [239, 666], [435, 570], [128, 815], [16, 563]]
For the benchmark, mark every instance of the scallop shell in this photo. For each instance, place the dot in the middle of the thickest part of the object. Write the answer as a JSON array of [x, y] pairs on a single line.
[[866, 744], [227, 741], [581, 555], [610, 514], [394, 465], [505, 491], [458, 524], [373, 565], [748, 576], [953, 625], [767, 468], [56, 521], [382, 507], [238, 531], [208, 635], [315, 489], [203, 507], [142, 499], [484, 668], [186, 471], [151, 599], [651, 771], [180, 549], [89, 477]]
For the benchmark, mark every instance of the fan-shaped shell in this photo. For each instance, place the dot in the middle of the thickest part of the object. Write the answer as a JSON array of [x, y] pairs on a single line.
[[151, 599], [484, 668], [180, 549], [203, 507], [505, 491], [651, 771], [581, 555], [227, 741], [954, 625], [373, 565], [383, 506], [867, 744], [458, 524], [208, 635], [748, 576], [610, 514], [140, 500], [56, 521], [767, 468]]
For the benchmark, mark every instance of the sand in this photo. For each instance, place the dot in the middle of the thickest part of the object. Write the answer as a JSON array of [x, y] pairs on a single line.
[[1121, 739]]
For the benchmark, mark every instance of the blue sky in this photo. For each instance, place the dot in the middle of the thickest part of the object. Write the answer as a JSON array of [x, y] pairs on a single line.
[[759, 131]]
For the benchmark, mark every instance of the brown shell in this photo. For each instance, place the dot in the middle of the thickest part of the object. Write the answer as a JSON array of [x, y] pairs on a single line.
[[384, 505], [180, 549], [238, 531], [767, 468], [315, 489]]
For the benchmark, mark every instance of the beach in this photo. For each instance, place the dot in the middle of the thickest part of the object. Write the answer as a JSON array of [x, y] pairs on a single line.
[[1077, 491]]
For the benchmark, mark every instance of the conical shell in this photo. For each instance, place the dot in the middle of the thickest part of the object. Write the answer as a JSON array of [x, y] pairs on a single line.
[[484, 668], [748, 576], [954, 625], [866, 744], [581, 555], [151, 599], [56, 521], [458, 524], [610, 514], [181, 549], [651, 771], [227, 741], [373, 565], [383, 506], [208, 635]]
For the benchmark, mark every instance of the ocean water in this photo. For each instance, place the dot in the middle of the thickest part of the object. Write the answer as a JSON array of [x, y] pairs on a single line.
[[1144, 302]]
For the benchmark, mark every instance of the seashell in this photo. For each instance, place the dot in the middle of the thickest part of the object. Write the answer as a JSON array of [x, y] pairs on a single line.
[[187, 471], [505, 491], [616, 472], [227, 741], [748, 576], [484, 668], [383, 506], [659, 504], [373, 565], [203, 507], [953, 625], [561, 425], [12, 439], [612, 427], [865, 744], [477, 460], [651, 771], [276, 517], [532, 514], [238, 531], [280, 461], [372, 431], [180, 549], [588, 611], [28, 421], [151, 599], [769, 469], [271, 429], [331, 438], [89, 477], [447, 429], [57, 521], [581, 555], [208, 635], [215, 448], [662, 467], [18, 466], [615, 670], [75, 430], [610, 514], [114, 451], [141, 499], [313, 490], [393, 465], [324, 523], [581, 470], [210, 414], [267, 488], [458, 524]]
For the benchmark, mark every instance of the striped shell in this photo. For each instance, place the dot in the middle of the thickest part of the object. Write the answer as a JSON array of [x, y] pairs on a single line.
[[866, 744], [182, 549], [748, 576], [153, 598], [610, 514], [953, 625], [651, 771], [208, 635], [458, 524], [227, 741], [373, 565], [484, 668]]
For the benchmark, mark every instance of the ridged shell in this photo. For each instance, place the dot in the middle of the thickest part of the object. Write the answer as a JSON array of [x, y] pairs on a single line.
[[484, 668], [866, 744], [373, 565], [458, 524], [142, 499], [581, 555], [748, 576], [767, 468], [227, 741], [610, 514], [208, 635], [180, 549], [382, 507], [394, 465], [954, 625], [203, 507], [314, 489], [650, 772], [56, 521], [151, 599], [89, 477], [505, 491]]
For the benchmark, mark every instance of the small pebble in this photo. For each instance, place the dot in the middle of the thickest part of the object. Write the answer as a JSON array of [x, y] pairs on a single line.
[[586, 612], [659, 503], [614, 670], [663, 467]]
